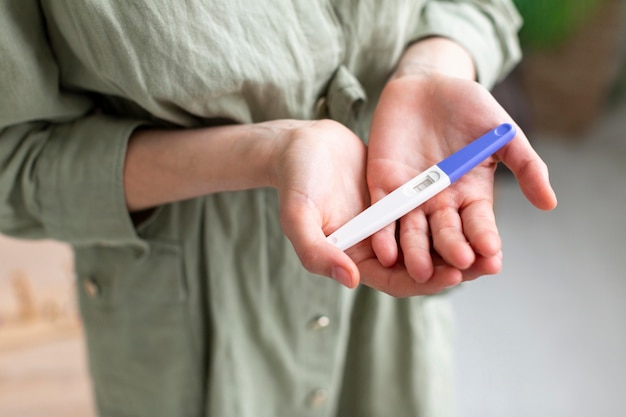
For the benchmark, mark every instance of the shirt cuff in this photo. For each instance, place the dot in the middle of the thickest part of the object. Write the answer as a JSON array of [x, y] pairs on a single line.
[[488, 33], [80, 183]]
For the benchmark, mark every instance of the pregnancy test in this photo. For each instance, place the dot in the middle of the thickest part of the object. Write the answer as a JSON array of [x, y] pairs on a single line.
[[421, 188]]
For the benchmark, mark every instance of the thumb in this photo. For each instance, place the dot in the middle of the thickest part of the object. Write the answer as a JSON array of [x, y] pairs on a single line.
[[316, 254], [531, 172]]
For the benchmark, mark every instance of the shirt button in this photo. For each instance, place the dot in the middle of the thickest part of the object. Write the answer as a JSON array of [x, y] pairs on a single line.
[[321, 108], [319, 322], [317, 398], [91, 287]]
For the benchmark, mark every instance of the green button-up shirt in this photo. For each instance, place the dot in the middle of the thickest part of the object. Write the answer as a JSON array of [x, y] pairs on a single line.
[[204, 309]]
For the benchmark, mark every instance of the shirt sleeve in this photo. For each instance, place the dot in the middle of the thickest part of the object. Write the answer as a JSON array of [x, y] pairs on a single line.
[[487, 29], [61, 166]]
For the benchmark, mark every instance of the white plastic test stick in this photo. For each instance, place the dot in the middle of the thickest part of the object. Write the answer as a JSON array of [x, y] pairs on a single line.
[[421, 188]]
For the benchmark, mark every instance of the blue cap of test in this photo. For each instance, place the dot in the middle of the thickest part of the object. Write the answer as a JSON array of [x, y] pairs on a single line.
[[457, 164]]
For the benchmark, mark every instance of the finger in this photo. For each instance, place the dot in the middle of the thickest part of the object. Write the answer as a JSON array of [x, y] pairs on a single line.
[[385, 245], [491, 265], [448, 238], [479, 226], [416, 247], [397, 282], [316, 254], [530, 170], [384, 241]]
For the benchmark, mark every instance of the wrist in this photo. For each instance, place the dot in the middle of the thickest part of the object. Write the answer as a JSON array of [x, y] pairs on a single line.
[[436, 55], [281, 137]]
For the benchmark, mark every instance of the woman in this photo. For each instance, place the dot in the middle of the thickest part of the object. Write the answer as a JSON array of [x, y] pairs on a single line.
[[196, 155]]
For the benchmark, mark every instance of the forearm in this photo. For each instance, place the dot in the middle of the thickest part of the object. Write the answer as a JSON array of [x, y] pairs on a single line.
[[163, 166], [436, 54]]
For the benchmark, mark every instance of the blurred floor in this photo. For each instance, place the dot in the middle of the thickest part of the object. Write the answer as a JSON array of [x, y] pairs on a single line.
[[43, 369], [46, 380], [546, 337]]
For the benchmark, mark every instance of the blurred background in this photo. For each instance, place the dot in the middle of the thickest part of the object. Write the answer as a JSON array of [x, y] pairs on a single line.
[[546, 337]]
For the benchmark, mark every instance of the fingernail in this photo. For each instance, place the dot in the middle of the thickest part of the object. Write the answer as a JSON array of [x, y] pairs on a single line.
[[342, 276]]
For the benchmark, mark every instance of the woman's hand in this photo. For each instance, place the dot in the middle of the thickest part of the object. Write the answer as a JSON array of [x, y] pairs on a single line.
[[319, 170], [422, 118]]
